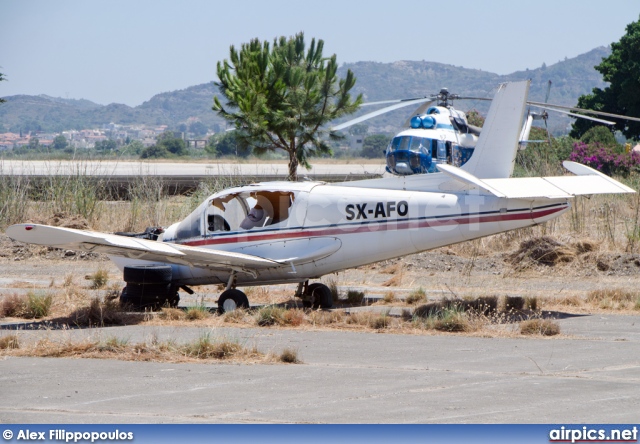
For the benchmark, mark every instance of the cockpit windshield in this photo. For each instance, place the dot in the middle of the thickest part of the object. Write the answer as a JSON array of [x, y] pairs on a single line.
[[237, 212], [415, 144]]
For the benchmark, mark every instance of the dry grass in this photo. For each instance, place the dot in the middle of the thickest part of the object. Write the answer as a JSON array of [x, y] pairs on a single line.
[[355, 297], [33, 305], [389, 297], [9, 342], [204, 349], [542, 327], [172, 314], [98, 313], [99, 279], [416, 296], [395, 281], [289, 356], [615, 299]]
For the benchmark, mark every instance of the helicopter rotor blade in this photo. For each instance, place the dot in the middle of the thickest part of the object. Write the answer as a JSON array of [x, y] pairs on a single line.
[[581, 110], [582, 116], [471, 98], [384, 102], [357, 120]]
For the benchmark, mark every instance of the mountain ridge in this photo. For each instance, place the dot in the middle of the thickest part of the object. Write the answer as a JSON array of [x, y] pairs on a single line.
[[375, 80]]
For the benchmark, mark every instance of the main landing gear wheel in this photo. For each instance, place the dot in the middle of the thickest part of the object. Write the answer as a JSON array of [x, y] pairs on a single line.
[[232, 299], [148, 287], [321, 296]]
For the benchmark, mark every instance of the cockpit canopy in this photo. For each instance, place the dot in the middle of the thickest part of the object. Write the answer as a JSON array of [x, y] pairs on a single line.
[[237, 212]]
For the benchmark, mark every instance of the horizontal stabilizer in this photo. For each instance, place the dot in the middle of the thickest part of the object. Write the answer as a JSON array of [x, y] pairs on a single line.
[[587, 181]]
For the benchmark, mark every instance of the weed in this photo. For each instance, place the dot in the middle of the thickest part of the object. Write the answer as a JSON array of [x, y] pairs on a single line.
[[37, 305], [9, 342], [206, 348], [196, 313], [235, 316], [613, 294], [318, 317], [381, 321], [335, 292], [544, 327], [269, 315], [531, 303], [293, 317], [418, 295], [114, 344], [355, 297], [389, 297], [452, 320], [99, 279], [289, 356], [513, 303], [98, 313], [12, 305], [172, 314]]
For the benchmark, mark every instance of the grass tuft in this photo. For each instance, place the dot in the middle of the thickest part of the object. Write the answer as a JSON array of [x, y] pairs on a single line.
[[289, 356], [99, 313], [269, 315], [416, 296], [99, 279], [9, 342], [543, 327], [37, 305], [355, 297], [172, 314], [389, 297]]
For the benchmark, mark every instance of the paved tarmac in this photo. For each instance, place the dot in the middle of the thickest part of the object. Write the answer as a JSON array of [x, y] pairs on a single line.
[[167, 169], [590, 375]]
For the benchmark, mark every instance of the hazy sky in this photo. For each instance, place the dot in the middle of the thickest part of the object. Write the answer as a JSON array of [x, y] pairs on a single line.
[[125, 51]]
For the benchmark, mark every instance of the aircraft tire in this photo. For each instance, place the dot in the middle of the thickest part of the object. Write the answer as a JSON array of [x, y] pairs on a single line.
[[149, 296], [147, 274], [322, 296], [232, 299]]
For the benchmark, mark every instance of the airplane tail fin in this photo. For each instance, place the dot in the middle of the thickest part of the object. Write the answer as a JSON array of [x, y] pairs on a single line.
[[495, 152]]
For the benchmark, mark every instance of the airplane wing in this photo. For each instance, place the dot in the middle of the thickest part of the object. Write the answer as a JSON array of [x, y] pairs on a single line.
[[585, 182], [134, 248]]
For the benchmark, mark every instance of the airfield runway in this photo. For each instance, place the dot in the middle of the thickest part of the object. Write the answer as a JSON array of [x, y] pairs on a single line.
[[590, 375]]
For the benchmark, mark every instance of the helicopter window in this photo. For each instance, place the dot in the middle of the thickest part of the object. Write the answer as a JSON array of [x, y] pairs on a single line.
[[421, 145], [442, 150], [395, 144], [404, 143]]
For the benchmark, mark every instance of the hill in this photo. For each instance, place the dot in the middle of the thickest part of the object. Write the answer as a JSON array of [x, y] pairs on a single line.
[[376, 81]]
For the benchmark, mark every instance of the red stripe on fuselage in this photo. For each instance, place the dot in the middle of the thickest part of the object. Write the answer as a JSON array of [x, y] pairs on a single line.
[[389, 226]]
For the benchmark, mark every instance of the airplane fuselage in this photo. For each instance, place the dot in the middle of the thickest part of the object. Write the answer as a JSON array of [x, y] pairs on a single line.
[[328, 228]]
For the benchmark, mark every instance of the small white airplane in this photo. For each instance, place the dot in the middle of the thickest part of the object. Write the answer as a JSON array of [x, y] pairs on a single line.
[[286, 232]]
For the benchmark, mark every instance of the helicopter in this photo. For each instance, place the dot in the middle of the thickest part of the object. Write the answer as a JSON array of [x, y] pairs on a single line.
[[437, 133], [295, 232]]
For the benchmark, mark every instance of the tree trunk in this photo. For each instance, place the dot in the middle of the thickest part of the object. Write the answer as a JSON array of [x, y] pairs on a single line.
[[293, 166]]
